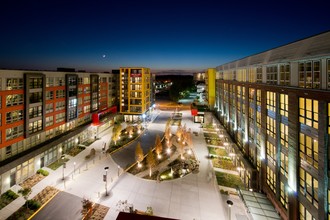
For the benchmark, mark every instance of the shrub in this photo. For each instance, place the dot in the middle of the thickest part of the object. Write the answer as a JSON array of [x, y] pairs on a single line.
[[43, 172], [11, 194], [32, 204]]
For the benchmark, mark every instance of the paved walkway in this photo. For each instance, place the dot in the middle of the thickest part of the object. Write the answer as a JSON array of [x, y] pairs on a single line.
[[196, 196]]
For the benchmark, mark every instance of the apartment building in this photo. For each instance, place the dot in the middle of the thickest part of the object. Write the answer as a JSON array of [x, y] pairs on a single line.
[[136, 93], [276, 106], [43, 114]]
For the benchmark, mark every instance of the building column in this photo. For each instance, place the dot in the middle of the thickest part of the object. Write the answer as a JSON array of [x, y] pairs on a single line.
[[293, 163], [323, 160]]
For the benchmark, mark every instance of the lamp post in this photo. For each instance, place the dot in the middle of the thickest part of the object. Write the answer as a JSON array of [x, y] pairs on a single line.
[[64, 165], [74, 167], [105, 179], [118, 170], [229, 203]]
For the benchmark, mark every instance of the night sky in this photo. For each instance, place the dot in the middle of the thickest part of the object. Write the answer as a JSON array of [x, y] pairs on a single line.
[[164, 35]]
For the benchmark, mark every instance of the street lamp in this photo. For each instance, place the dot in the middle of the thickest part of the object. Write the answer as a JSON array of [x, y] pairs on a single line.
[[74, 167], [64, 166], [118, 170], [105, 179], [229, 203]]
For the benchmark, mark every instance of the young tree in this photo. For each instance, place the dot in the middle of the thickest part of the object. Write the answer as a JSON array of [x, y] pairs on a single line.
[[179, 133], [25, 192], [116, 131], [129, 130], [151, 160], [139, 154], [158, 146]]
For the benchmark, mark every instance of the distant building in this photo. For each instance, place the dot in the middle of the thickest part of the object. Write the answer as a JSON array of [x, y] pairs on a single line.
[[44, 114], [276, 106], [136, 93]]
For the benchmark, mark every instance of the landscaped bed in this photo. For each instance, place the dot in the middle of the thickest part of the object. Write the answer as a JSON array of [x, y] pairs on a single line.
[[7, 198], [223, 163], [229, 180], [34, 204]]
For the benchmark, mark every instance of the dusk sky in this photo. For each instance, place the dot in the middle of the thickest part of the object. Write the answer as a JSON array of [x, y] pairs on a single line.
[[167, 36]]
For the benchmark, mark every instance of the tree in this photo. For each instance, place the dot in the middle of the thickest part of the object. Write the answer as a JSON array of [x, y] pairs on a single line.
[[151, 160], [116, 131], [139, 153], [179, 132], [25, 192], [87, 206], [158, 146], [129, 130]]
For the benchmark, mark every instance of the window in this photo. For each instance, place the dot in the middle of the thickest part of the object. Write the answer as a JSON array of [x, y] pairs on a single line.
[[271, 101], [304, 213], [49, 121], [14, 83], [60, 94], [308, 112], [271, 72], [271, 179], [49, 108], [284, 164], [259, 74], [12, 100], [14, 132], [284, 135], [308, 150], [308, 186], [35, 83], [49, 95], [35, 97], [49, 81], [285, 74], [60, 117], [59, 81], [14, 116], [271, 127], [60, 105], [309, 74], [271, 153], [35, 126], [284, 198], [284, 105], [35, 112]]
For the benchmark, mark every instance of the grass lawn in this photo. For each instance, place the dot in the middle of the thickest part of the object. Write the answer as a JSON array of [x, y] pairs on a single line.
[[229, 180], [223, 163], [57, 163], [217, 151]]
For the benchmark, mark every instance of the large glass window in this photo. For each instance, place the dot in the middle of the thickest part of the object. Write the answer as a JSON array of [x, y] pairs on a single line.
[[309, 74], [271, 153], [14, 132], [304, 213], [271, 127], [284, 164], [259, 74], [284, 135], [271, 179], [14, 116], [284, 196], [14, 83], [284, 105], [308, 112], [12, 100], [285, 74], [308, 186], [271, 101], [309, 150], [271, 72]]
